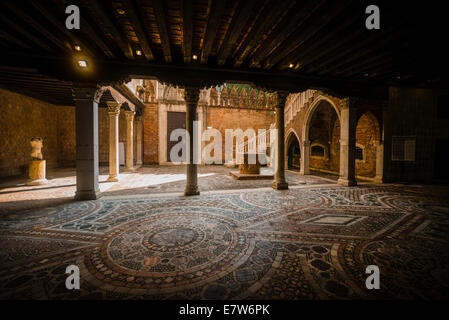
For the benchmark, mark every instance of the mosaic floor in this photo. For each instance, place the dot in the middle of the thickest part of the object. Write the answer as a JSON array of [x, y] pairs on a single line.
[[15, 195], [308, 242]]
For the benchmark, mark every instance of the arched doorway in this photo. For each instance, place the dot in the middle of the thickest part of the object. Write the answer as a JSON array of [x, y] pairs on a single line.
[[367, 144], [293, 152], [321, 132]]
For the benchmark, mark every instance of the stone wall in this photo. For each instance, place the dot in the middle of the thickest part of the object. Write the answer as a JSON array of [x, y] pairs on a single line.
[[23, 118]]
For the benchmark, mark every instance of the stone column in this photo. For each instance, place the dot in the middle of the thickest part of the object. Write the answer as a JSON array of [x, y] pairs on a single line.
[[348, 122], [191, 96], [86, 97], [129, 166], [305, 158], [113, 111], [139, 130], [279, 182]]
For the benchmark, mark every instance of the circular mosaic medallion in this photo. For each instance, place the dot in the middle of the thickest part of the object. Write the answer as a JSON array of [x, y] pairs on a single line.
[[173, 239], [168, 249]]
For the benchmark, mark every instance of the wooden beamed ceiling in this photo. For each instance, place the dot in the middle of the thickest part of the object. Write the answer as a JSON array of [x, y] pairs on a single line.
[[303, 43]]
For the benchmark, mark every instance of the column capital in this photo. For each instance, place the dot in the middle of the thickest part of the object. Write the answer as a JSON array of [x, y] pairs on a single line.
[[87, 92], [113, 107], [192, 95], [349, 102], [280, 98], [129, 114], [306, 143]]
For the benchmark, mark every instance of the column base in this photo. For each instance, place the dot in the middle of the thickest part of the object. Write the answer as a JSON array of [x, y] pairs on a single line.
[[346, 182], [87, 195], [37, 182], [191, 191], [378, 180], [132, 169], [112, 179], [278, 185]]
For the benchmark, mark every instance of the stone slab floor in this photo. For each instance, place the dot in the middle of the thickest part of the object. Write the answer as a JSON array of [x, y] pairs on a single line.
[[237, 240]]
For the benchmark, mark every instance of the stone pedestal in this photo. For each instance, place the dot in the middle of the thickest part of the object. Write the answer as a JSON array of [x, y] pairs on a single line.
[[37, 173], [250, 164]]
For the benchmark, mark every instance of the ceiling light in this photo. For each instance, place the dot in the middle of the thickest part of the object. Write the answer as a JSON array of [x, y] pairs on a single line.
[[77, 47], [291, 65], [138, 52], [120, 11], [194, 57], [82, 63]]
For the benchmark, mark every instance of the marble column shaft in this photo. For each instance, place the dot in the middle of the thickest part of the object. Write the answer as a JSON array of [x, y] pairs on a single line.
[[129, 165], [279, 182], [114, 165], [87, 97], [191, 96], [348, 119]]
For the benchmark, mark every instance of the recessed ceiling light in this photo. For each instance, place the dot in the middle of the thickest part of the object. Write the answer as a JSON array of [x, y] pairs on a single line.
[[82, 63], [120, 11], [194, 57], [291, 65], [77, 47], [138, 52]]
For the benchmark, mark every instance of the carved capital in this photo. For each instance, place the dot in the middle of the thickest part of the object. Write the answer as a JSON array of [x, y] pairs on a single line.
[[191, 95], [349, 103], [89, 92], [129, 115], [113, 107]]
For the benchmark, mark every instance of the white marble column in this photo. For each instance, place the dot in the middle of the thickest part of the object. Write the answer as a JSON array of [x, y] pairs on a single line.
[[129, 165], [86, 97], [279, 182], [191, 96], [348, 119], [139, 133], [305, 158], [113, 111]]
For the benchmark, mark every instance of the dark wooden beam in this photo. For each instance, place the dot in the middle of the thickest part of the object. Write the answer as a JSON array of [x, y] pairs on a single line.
[[267, 19], [89, 33], [17, 27], [312, 45], [187, 30], [159, 12], [215, 9], [289, 24], [238, 22], [60, 25], [110, 28], [317, 20], [138, 28]]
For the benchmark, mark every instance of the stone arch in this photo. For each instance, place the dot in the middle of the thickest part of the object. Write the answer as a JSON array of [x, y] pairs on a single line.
[[305, 143], [309, 113], [292, 157], [368, 136]]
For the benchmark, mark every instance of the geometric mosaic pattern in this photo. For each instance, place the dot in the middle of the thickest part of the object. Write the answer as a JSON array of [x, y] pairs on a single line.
[[303, 243]]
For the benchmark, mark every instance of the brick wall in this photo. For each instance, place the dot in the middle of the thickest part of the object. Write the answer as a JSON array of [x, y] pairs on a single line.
[[150, 133], [234, 118], [21, 119], [366, 136]]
